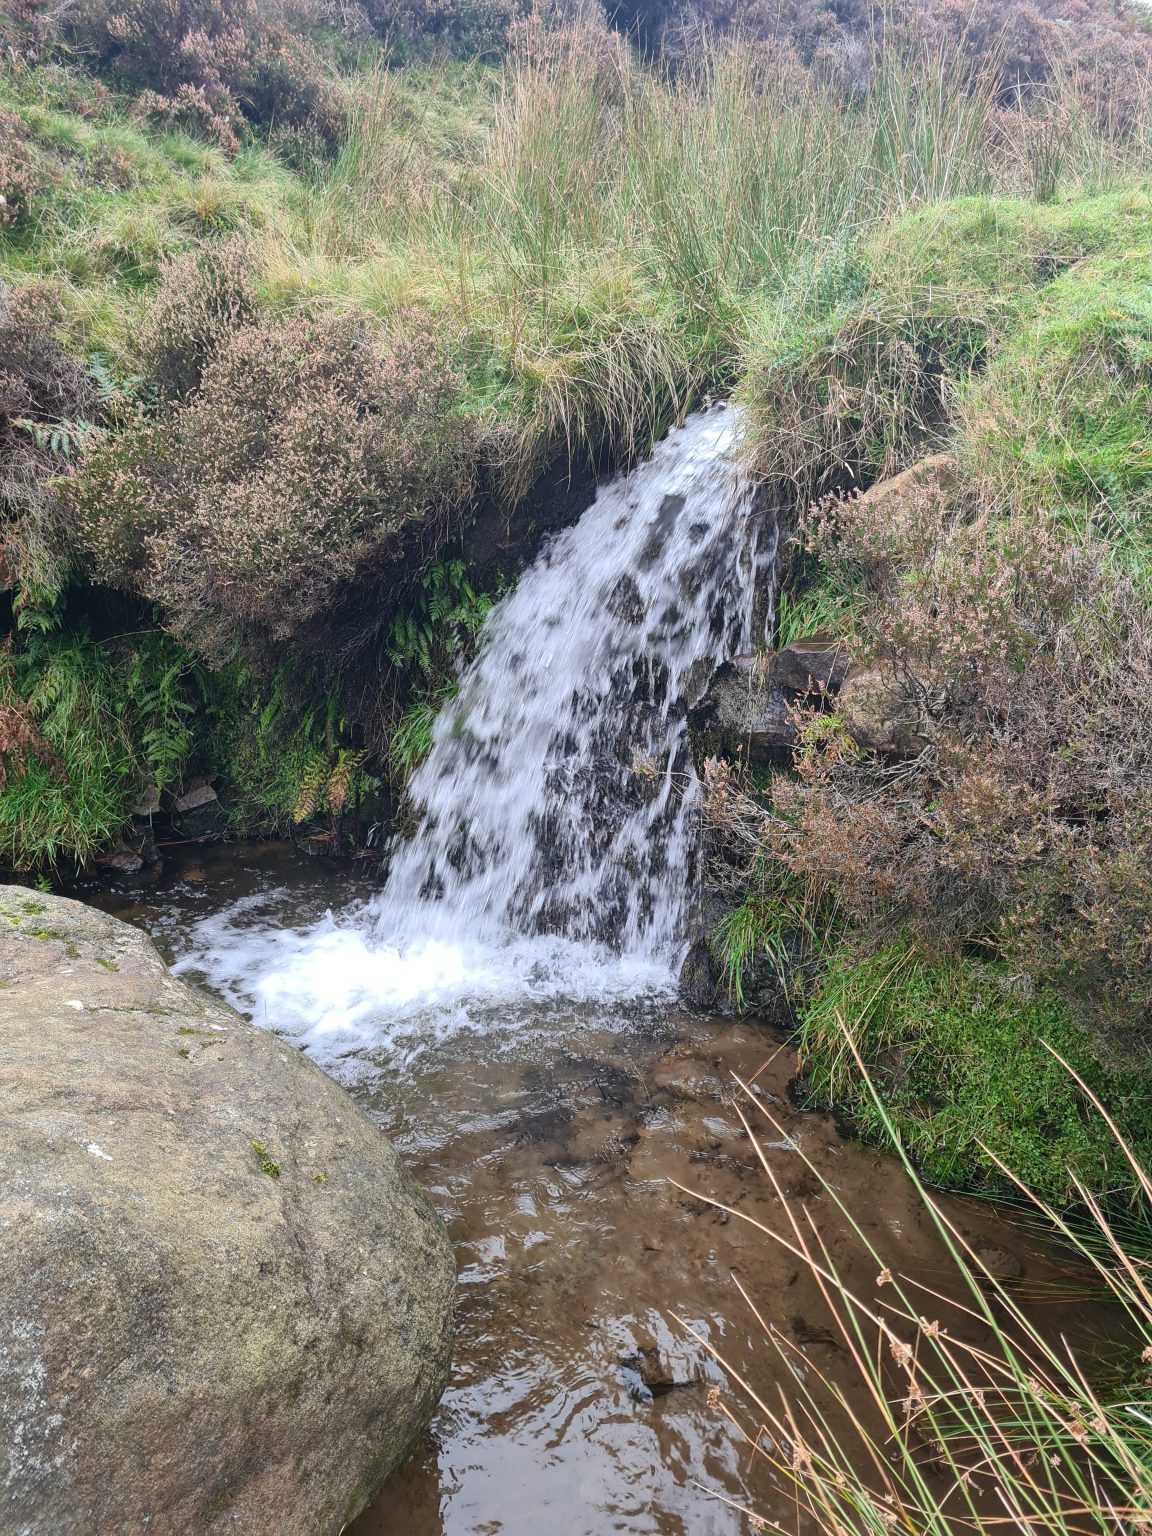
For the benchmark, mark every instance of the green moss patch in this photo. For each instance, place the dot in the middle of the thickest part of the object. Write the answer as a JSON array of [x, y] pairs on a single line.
[[957, 1052]]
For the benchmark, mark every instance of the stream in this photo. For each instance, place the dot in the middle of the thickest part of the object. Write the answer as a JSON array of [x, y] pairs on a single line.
[[552, 1142], [505, 1008]]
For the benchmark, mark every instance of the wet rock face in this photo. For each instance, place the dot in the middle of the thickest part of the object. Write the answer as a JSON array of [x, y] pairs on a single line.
[[749, 710], [224, 1306], [744, 716]]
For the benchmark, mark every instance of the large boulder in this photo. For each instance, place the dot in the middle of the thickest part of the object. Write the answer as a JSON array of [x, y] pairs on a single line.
[[224, 1306]]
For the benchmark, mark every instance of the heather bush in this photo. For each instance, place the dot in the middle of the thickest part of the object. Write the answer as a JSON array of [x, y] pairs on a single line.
[[23, 29], [974, 809], [982, 789], [1017, 661], [202, 298], [18, 175], [45, 397], [1020, 46], [312, 449], [212, 65], [466, 28]]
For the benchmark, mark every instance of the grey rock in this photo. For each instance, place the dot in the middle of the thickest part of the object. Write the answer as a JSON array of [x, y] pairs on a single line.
[[999, 1263], [701, 981], [224, 1306], [201, 794], [147, 801], [745, 714], [123, 859], [815, 664], [936, 470], [749, 709]]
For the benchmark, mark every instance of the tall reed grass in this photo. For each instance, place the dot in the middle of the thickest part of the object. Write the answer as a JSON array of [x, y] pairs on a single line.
[[982, 1423], [607, 235]]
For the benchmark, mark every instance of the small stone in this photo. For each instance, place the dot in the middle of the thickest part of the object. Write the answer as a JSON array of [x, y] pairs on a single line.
[[744, 714], [203, 794], [685, 1078], [1000, 1263], [147, 802], [125, 860], [875, 707]]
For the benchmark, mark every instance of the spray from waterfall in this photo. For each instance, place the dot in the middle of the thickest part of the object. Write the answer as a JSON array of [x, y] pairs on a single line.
[[556, 850]]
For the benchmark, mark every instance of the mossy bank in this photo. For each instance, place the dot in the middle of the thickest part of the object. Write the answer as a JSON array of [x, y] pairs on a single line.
[[952, 878]]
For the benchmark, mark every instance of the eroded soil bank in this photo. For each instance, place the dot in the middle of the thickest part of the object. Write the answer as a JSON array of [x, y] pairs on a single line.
[[571, 1156]]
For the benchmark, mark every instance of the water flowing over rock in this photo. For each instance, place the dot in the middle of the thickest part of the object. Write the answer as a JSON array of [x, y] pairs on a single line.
[[555, 861], [559, 793]]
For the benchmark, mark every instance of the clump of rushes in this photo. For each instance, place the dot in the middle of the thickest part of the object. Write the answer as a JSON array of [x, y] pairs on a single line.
[[981, 1422]]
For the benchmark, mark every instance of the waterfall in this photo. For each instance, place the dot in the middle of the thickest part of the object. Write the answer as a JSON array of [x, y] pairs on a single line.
[[559, 794], [555, 853]]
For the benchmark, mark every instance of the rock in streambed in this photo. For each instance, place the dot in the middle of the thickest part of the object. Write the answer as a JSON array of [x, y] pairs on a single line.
[[224, 1306]]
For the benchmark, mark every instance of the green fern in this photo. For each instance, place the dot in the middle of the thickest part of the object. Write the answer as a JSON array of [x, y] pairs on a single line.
[[165, 689], [312, 784], [445, 621]]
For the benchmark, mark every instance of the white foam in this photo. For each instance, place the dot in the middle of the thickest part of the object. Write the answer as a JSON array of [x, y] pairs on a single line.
[[337, 990]]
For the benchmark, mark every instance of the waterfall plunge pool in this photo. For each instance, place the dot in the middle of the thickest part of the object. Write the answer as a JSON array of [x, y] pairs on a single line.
[[551, 1126]]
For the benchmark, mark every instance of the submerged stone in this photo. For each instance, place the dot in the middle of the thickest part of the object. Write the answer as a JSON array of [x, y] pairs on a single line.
[[224, 1305]]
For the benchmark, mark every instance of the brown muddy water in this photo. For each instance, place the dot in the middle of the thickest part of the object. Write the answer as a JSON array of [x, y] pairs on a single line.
[[573, 1159]]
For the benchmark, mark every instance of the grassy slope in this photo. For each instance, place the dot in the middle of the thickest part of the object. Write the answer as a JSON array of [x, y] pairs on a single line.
[[595, 246], [1037, 316]]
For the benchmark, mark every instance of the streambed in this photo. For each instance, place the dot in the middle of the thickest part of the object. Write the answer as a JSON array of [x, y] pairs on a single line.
[[552, 1122]]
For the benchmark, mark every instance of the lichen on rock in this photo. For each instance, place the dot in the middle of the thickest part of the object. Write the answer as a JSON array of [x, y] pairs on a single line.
[[190, 1344]]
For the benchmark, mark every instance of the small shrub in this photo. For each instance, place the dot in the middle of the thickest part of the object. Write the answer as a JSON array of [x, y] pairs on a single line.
[[466, 28], [19, 178], [203, 297], [212, 65], [23, 30], [310, 449]]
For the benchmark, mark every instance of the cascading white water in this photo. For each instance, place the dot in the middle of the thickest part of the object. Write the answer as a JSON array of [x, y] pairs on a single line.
[[558, 792], [556, 851]]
